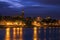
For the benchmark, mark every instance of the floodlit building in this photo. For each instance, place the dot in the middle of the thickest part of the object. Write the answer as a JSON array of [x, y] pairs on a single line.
[[48, 17], [38, 18]]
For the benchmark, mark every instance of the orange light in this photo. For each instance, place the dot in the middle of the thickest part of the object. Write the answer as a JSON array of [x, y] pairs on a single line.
[[8, 23], [22, 23], [15, 23], [35, 23], [14, 33], [35, 34], [21, 33], [7, 36], [44, 24]]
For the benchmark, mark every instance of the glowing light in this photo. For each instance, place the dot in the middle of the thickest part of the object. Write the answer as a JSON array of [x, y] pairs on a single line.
[[45, 24], [9, 23], [7, 36], [35, 34], [14, 33], [22, 23], [35, 23], [18, 31], [21, 33], [16, 23]]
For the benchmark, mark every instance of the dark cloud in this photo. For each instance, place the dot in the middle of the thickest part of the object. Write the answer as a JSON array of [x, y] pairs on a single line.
[[3, 4], [49, 2], [52, 2]]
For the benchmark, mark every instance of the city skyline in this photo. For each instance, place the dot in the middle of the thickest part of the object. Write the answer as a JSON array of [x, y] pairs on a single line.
[[29, 19], [31, 8]]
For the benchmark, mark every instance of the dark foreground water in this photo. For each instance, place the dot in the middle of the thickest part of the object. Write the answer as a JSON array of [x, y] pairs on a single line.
[[30, 33]]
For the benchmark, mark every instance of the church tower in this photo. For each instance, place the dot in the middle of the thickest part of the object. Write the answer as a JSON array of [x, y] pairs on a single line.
[[22, 13]]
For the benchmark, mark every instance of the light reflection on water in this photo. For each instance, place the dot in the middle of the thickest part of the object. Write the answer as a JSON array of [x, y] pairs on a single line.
[[14, 33], [21, 34], [35, 33], [18, 32], [7, 34], [17, 35], [38, 34]]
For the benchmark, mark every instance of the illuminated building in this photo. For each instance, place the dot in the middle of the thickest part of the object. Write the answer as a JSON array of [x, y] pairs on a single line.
[[48, 17], [38, 18]]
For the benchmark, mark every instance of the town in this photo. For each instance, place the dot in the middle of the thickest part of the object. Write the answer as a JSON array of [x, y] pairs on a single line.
[[28, 21]]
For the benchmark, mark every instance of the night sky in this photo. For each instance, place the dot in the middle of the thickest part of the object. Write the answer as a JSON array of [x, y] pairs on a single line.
[[31, 7]]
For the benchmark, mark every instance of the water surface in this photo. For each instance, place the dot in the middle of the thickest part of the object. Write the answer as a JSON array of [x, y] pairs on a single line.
[[30, 33]]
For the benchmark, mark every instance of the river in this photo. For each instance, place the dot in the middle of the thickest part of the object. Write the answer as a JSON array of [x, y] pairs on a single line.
[[49, 33]]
